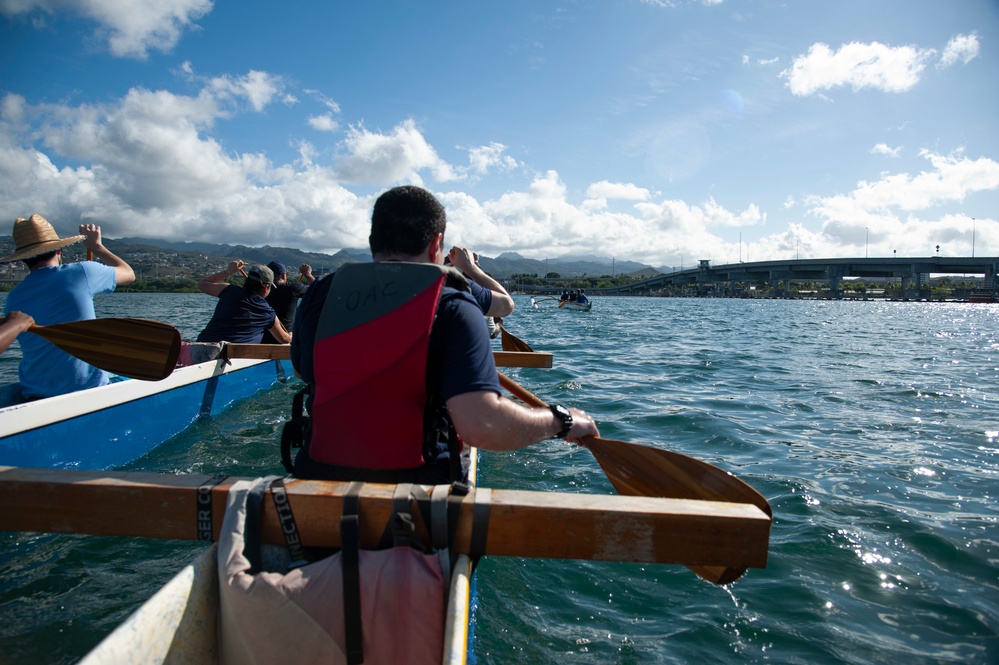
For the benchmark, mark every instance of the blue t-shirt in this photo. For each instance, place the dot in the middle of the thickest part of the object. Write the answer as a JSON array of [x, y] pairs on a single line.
[[52, 295], [240, 316]]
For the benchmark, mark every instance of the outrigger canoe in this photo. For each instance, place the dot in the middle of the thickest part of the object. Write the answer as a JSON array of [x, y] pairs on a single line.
[[106, 427], [178, 624], [575, 306]]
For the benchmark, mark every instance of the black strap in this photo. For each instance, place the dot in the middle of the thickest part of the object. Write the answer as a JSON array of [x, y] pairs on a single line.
[[480, 521], [251, 531], [350, 539], [288, 526], [293, 432], [204, 507], [208, 399]]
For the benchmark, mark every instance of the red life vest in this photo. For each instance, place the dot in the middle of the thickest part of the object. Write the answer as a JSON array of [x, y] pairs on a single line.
[[370, 365]]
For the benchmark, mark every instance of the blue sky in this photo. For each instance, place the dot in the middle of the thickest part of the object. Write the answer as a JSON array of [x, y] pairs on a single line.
[[648, 130]]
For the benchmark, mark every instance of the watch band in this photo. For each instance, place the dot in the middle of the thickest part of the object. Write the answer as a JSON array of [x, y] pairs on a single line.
[[565, 416]]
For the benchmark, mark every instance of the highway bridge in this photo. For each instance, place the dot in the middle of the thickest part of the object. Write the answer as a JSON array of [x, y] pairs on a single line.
[[729, 279]]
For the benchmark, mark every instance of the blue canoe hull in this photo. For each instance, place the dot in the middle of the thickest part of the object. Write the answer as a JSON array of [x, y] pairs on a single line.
[[116, 424]]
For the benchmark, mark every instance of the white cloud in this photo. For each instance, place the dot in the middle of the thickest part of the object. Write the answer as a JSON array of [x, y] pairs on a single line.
[[323, 123], [385, 159], [860, 66], [885, 149], [131, 27], [963, 48], [617, 190], [485, 158], [259, 88], [875, 208]]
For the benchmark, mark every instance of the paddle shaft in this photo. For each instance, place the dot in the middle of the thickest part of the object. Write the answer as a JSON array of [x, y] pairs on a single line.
[[283, 352]]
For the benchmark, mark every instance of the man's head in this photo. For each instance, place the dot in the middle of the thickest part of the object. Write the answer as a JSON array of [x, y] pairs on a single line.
[[280, 272], [404, 223], [36, 242], [259, 279]]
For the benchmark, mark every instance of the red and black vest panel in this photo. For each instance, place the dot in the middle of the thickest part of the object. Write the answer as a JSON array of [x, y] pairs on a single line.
[[370, 365]]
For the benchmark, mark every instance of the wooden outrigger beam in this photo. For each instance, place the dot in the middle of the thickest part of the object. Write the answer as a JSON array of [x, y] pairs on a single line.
[[521, 523], [283, 352]]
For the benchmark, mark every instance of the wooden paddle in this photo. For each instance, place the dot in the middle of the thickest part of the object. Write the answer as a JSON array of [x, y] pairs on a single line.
[[645, 471], [511, 342], [283, 352], [136, 348]]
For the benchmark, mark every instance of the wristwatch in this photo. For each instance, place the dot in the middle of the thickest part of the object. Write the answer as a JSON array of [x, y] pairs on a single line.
[[566, 418]]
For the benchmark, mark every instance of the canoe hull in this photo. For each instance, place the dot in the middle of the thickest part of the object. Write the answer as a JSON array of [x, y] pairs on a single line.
[[118, 423], [575, 306]]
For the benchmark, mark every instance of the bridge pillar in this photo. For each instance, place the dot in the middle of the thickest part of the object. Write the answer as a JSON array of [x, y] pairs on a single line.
[[835, 276]]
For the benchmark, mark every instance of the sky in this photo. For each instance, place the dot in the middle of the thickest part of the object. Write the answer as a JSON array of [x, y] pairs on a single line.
[[658, 131]]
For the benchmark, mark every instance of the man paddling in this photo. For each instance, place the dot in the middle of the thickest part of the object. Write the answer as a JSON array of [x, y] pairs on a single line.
[[284, 296], [398, 356], [242, 313], [54, 292]]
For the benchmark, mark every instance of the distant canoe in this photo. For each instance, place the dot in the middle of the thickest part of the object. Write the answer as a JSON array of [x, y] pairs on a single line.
[[577, 306]]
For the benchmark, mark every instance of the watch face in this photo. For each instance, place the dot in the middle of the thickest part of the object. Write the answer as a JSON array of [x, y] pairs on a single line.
[[566, 417]]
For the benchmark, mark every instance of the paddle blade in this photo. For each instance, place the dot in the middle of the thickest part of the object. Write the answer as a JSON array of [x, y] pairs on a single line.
[[511, 342], [136, 348], [645, 471]]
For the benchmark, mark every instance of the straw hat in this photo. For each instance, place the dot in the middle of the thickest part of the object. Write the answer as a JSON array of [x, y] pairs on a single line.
[[35, 236]]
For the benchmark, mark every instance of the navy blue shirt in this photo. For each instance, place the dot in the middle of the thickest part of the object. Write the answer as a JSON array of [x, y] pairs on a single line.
[[283, 298], [240, 316]]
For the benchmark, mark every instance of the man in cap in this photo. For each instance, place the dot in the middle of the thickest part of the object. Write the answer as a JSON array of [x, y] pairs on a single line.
[[53, 293], [242, 314], [284, 296]]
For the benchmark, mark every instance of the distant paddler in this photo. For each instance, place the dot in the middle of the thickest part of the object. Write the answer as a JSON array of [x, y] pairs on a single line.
[[242, 313]]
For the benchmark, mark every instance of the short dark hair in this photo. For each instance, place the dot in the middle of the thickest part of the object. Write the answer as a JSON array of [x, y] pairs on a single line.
[[40, 259], [405, 220]]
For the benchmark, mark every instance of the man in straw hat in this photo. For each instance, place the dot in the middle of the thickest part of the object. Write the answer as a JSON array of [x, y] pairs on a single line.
[[54, 293]]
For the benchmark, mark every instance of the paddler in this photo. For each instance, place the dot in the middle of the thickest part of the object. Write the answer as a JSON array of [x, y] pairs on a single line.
[[400, 364], [53, 293]]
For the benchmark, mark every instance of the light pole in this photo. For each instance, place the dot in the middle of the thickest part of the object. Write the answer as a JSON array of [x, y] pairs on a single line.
[[867, 242], [972, 237]]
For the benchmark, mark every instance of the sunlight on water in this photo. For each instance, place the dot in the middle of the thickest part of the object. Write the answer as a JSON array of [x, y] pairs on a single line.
[[872, 429]]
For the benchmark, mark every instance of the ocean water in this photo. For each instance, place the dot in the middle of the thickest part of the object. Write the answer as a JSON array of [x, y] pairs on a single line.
[[871, 427]]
